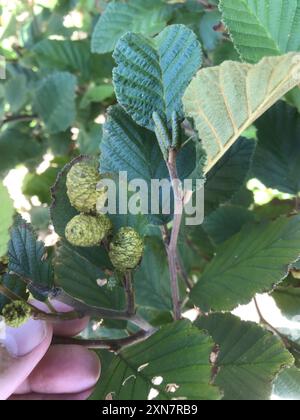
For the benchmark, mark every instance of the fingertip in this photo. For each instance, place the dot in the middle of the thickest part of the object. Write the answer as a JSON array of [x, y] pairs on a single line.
[[66, 370], [70, 328]]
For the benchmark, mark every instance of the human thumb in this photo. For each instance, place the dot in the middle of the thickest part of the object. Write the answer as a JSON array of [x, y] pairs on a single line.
[[21, 349]]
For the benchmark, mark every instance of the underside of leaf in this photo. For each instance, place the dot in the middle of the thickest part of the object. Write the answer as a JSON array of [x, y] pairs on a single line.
[[224, 101]]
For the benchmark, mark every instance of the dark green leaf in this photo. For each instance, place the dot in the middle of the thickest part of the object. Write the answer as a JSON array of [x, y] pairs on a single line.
[[209, 36], [79, 276], [127, 147], [287, 385], [15, 285], [6, 218], [28, 257], [152, 279], [174, 362], [229, 174], [253, 261], [144, 16], [249, 358], [288, 301], [226, 221], [18, 147], [277, 158], [152, 74], [16, 92], [55, 101], [261, 29], [39, 185]]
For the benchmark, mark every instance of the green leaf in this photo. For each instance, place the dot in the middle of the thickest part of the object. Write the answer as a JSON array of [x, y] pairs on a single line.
[[293, 98], [64, 55], [277, 159], [39, 184], [195, 249], [209, 36], [249, 358], [16, 147], [287, 385], [61, 143], [15, 285], [55, 101], [16, 92], [225, 52], [144, 16], [288, 301], [152, 74], [211, 99], [174, 362], [128, 147], [89, 139], [152, 278], [62, 212], [78, 277], [260, 29], [229, 174], [6, 218], [96, 93], [274, 209], [253, 261], [226, 221], [28, 257]]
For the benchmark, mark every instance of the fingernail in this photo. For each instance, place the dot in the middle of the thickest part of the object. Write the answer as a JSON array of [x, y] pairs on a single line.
[[21, 341]]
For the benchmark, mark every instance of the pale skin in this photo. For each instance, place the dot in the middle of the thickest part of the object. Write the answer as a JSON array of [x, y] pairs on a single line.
[[49, 372]]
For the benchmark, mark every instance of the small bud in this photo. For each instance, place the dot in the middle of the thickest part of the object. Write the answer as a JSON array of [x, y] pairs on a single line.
[[126, 249], [82, 190], [87, 231], [4, 260], [16, 313]]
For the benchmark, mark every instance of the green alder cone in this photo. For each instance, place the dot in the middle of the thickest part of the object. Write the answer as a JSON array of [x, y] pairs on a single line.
[[87, 231], [126, 249], [16, 313], [82, 181]]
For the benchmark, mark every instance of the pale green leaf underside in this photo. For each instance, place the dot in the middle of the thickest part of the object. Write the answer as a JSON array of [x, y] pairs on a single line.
[[176, 355], [287, 385], [143, 16], [262, 28], [152, 74], [225, 100], [253, 261], [249, 358], [6, 218], [55, 101]]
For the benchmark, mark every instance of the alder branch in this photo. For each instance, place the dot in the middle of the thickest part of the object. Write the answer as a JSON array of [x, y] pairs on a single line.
[[180, 266], [16, 118], [207, 5], [37, 313], [270, 327], [81, 309], [129, 291], [182, 271], [172, 245], [112, 345]]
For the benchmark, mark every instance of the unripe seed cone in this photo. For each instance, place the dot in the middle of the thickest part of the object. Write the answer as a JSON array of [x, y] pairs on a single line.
[[126, 249], [16, 313], [87, 231], [82, 180]]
